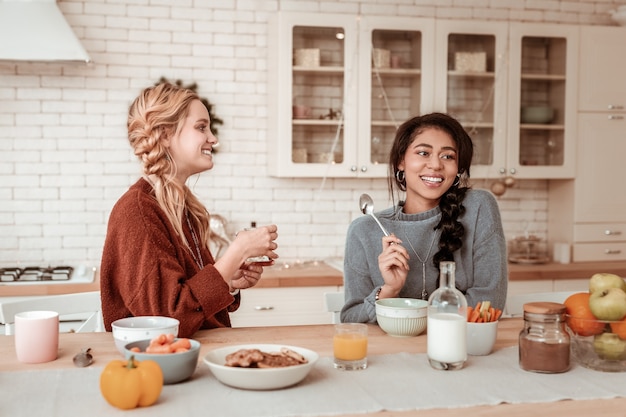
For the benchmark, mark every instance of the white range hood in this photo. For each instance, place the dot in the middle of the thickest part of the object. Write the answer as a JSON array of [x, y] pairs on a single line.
[[35, 30]]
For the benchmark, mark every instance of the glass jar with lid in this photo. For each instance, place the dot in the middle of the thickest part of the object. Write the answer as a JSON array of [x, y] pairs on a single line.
[[544, 344]]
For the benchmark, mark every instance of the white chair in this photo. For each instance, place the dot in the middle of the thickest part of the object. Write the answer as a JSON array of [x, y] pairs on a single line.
[[334, 301], [515, 303], [85, 304]]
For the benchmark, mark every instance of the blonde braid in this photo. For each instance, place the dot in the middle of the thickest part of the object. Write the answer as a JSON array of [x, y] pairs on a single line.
[[157, 114]]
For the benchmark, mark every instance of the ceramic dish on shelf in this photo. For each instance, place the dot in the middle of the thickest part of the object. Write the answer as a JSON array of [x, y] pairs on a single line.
[[537, 114], [529, 260], [259, 378]]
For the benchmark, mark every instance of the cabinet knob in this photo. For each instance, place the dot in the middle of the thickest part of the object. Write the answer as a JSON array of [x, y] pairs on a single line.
[[615, 117], [363, 168], [612, 232], [353, 168], [263, 308], [612, 251], [615, 107]]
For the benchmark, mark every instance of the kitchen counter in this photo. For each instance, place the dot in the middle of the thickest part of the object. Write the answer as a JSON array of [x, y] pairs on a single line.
[[578, 270], [37, 288], [321, 274]]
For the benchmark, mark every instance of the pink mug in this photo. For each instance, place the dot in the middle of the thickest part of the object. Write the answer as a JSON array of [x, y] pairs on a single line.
[[301, 112], [37, 336]]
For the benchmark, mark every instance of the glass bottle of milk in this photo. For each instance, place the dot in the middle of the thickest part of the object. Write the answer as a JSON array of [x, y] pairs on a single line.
[[447, 323]]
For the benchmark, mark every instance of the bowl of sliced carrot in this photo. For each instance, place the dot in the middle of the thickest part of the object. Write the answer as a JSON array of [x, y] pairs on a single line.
[[177, 357], [482, 328]]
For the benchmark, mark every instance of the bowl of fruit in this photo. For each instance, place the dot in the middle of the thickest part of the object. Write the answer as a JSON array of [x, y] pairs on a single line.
[[596, 322]]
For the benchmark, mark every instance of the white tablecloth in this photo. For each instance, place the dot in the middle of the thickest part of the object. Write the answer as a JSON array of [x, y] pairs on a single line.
[[395, 382]]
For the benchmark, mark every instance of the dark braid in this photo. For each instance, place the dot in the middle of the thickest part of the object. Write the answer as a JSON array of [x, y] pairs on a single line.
[[452, 231]]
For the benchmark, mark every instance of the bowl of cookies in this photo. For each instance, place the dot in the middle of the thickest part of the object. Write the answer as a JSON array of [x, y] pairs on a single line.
[[260, 366]]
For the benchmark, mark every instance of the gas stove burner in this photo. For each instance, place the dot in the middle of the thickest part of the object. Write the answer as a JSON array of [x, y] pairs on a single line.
[[35, 273]]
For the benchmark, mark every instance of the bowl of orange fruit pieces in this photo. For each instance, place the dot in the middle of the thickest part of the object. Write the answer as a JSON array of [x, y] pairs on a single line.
[[177, 357], [482, 328]]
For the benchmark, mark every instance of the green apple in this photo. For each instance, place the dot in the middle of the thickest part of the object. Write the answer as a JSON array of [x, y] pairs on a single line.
[[608, 304], [604, 281], [610, 347]]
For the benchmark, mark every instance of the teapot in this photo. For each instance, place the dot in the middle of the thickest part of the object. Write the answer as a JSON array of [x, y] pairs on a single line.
[[619, 15]]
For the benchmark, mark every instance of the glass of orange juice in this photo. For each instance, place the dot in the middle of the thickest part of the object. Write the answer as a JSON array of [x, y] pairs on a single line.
[[350, 346]]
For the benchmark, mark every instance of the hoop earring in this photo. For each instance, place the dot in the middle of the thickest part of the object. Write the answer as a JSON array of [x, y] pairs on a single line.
[[458, 180], [400, 176]]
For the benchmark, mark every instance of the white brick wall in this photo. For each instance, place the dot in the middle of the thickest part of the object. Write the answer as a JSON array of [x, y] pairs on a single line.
[[65, 159]]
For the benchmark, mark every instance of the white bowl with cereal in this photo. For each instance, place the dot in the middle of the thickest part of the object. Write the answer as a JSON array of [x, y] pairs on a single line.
[[260, 366]]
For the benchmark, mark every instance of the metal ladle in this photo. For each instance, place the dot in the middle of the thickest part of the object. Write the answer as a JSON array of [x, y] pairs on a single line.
[[366, 204]]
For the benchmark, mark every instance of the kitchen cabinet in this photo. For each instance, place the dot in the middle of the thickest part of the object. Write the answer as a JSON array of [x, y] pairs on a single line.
[[526, 65], [470, 75], [547, 285], [602, 61], [341, 86], [312, 71], [283, 306], [395, 84], [591, 210], [543, 75], [336, 115]]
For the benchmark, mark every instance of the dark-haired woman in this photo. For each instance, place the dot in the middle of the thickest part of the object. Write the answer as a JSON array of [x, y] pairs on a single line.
[[440, 219]]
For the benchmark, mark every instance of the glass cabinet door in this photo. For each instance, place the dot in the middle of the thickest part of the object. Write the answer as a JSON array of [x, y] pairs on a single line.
[[312, 110], [542, 93], [472, 85], [542, 106], [397, 84], [318, 94]]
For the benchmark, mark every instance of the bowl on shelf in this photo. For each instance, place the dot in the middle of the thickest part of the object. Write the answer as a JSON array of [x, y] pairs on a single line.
[[597, 344], [619, 15], [132, 329], [537, 114], [402, 317], [176, 367]]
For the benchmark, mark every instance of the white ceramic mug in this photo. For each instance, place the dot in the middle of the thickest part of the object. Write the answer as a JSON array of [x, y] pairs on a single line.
[[37, 336]]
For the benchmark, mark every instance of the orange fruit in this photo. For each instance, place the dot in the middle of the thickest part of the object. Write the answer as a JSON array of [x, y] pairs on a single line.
[[619, 327], [581, 320]]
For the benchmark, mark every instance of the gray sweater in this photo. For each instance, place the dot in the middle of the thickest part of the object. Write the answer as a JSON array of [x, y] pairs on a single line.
[[481, 263]]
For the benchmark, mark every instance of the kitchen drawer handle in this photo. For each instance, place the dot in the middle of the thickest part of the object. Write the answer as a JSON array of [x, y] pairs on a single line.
[[615, 107], [615, 117], [263, 308], [612, 251], [612, 232]]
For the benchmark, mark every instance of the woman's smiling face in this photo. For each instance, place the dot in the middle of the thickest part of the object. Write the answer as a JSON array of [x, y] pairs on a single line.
[[430, 166], [191, 148]]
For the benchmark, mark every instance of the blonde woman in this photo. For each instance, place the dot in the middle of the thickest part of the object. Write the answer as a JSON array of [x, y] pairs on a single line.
[[156, 258]]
